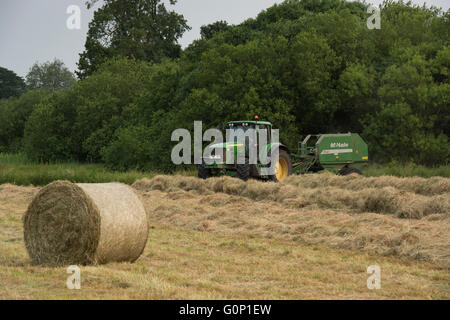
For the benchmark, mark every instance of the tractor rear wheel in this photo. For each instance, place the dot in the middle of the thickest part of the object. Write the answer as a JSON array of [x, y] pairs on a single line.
[[203, 173], [283, 168], [243, 171], [348, 171]]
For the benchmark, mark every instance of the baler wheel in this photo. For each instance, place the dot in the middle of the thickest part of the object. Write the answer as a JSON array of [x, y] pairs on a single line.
[[348, 171]]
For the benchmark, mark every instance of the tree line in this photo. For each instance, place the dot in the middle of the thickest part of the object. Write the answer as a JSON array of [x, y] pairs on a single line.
[[307, 66]]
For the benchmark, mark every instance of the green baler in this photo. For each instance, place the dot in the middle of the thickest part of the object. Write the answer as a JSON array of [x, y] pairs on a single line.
[[342, 154], [339, 153]]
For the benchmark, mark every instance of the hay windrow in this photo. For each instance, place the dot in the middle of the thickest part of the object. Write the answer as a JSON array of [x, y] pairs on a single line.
[[425, 240], [385, 220], [422, 186], [83, 224], [384, 199]]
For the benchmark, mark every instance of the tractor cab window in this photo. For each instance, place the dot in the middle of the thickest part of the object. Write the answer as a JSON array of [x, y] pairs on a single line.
[[268, 131]]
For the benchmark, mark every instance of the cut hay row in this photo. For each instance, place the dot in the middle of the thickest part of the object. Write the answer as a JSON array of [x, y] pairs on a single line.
[[82, 224], [385, 200], [17, 193], [429, 187], [425, 240]]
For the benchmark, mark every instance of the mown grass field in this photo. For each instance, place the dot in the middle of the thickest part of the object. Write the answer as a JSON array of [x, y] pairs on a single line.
[[225, 239], [312, 237], [180, 263]]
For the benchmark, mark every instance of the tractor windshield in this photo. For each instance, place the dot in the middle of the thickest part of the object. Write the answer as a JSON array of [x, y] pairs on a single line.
[[236, 127], [235, 130]]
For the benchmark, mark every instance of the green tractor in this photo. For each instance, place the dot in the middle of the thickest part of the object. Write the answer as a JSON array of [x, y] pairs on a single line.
[[341, 154]]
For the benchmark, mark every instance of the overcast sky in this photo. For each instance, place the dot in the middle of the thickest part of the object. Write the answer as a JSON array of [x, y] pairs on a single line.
[[35, 30]]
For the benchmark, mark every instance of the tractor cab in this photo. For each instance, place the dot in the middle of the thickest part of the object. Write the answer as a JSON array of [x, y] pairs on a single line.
[[234, 127]]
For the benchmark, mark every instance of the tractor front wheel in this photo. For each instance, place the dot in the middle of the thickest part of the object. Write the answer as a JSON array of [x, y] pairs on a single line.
[[203, 173], [243, 171]]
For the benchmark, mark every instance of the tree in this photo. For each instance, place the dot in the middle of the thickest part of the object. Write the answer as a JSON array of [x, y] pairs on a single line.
[[412, 107], [77, 123], [48, 134], [11, 85], [139, 29], [208, 31], [49, 75], [14, 112]]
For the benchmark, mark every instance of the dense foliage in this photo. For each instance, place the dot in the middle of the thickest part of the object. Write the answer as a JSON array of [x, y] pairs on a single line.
[[307, 66], [41, 81], [11, 85], [14, 112]]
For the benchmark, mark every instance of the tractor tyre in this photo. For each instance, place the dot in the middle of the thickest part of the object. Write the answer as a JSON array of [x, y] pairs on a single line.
[[348, 171], [243, 171], [283, 168], [254, 172], [203, 173]]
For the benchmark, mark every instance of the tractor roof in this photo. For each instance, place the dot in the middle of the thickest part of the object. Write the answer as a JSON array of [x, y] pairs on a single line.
[[251, 122]]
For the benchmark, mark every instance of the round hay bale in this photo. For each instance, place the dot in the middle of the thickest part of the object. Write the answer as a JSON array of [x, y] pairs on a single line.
[[83, 224]]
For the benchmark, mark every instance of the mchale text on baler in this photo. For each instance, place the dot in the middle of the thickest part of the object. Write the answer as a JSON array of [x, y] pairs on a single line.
[[342, 154]]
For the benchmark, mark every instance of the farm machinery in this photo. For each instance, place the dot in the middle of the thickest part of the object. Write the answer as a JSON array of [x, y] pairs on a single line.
[[342, 154]]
